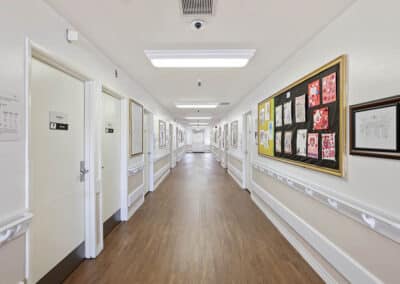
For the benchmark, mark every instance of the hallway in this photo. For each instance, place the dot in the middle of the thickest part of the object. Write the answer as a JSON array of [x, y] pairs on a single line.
[[198, 227]]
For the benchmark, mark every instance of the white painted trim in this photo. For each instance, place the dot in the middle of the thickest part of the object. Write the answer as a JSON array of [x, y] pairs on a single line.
[[135, 195], [139, 167], [93, 95], [339, 259], [235, 174], [160, 157], [236, 155], [14, 226], [309, 258], [124, 159], [161, 175], [388, 227]]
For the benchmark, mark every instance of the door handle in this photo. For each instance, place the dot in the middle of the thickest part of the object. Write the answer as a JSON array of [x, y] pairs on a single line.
[[83, 171]]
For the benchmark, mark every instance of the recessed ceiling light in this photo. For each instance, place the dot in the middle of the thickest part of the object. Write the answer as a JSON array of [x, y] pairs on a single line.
[[198, 117], [199, 123], [196, 105], [207, 58]]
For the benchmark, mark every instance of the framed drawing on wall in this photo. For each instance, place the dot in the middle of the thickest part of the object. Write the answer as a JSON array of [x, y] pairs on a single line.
[[162, 134], [304, 123], [135, 128], [375, 128], [234, 133]]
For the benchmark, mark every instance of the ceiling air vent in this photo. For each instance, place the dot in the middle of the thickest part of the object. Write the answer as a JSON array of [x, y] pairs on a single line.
[[197, 7]]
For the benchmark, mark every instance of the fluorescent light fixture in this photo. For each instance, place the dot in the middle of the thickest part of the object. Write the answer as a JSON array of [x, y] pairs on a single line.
[[206, 58], [199, 123], [198, 117], [196, 105]]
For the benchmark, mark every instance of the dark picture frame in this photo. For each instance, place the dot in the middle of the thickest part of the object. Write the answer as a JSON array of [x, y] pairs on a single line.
[[385, 107]]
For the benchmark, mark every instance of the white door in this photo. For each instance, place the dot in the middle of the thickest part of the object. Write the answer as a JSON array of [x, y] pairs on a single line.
[[198, 141], [111, 156], [148, 151], [57, 149]]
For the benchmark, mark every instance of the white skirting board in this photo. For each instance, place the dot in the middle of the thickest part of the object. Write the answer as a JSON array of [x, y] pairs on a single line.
[[135, 200], [318, 268], [340, 260], [235, 174], [161, 175]]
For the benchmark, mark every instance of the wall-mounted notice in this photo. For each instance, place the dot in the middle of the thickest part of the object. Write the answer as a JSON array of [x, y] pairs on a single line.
[[10, 118], [58, 121]]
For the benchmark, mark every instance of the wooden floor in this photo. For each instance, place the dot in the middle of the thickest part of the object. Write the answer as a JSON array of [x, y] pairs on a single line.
[[197, 227]]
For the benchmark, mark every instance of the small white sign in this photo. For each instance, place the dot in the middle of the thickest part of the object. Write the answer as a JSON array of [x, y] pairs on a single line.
[[11, 111]]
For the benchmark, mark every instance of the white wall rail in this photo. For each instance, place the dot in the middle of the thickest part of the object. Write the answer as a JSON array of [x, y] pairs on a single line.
[[13, 227], [386, 226]]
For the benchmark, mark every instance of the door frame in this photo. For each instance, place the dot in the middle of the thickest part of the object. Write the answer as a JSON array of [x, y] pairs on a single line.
[[246, 165], [91, 90]]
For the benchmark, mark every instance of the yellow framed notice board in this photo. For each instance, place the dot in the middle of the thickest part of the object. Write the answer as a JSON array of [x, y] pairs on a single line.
[[304, 124]]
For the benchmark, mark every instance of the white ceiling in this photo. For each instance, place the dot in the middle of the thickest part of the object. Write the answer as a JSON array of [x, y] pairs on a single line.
[[123, 29]]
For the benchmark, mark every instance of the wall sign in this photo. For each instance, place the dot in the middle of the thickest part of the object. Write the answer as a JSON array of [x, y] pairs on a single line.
[[10, 118], [304, 124], [58, 121], [375, 128], [109, 127]]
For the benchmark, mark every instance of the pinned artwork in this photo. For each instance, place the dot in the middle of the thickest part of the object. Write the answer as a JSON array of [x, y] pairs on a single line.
[[278, 141], [301, 142], [329, 89], [287, 113], [300, 109], [328, 146], [312, 145], [278, 116], [267, 111], [321, 119], [314, 97], [262, 116], [288, 142]]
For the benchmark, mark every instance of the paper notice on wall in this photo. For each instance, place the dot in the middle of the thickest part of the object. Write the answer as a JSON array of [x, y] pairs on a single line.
[[11, 111]]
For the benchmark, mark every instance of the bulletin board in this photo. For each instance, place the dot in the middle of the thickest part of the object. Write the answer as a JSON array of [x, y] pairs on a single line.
[[266, 127], [308, 119]]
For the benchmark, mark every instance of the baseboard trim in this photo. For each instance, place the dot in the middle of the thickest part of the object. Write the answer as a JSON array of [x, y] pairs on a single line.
[[340, 260], [160, 176], [318, 268], [111, 223], [65, 267], [239, 183]]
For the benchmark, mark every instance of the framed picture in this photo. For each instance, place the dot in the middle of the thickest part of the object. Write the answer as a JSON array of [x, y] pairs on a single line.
[[162, 134], [135, 128], [375, 128], [234, 133]]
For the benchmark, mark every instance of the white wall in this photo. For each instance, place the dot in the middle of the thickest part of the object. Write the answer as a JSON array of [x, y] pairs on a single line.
[[368, 34], [35, 20]]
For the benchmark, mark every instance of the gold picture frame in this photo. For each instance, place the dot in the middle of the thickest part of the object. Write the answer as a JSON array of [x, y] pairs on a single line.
[[136, 111], [342, 62]]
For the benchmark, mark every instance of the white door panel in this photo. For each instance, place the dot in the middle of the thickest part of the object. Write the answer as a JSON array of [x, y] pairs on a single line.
[[111, 155], [57, 194]]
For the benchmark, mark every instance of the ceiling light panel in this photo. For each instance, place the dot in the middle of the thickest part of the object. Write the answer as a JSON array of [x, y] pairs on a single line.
[[196, 106], [197, 7], [216, 58], [198, 117]]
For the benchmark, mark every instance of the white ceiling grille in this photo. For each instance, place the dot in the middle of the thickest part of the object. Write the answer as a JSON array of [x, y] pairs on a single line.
[[197, 7]]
